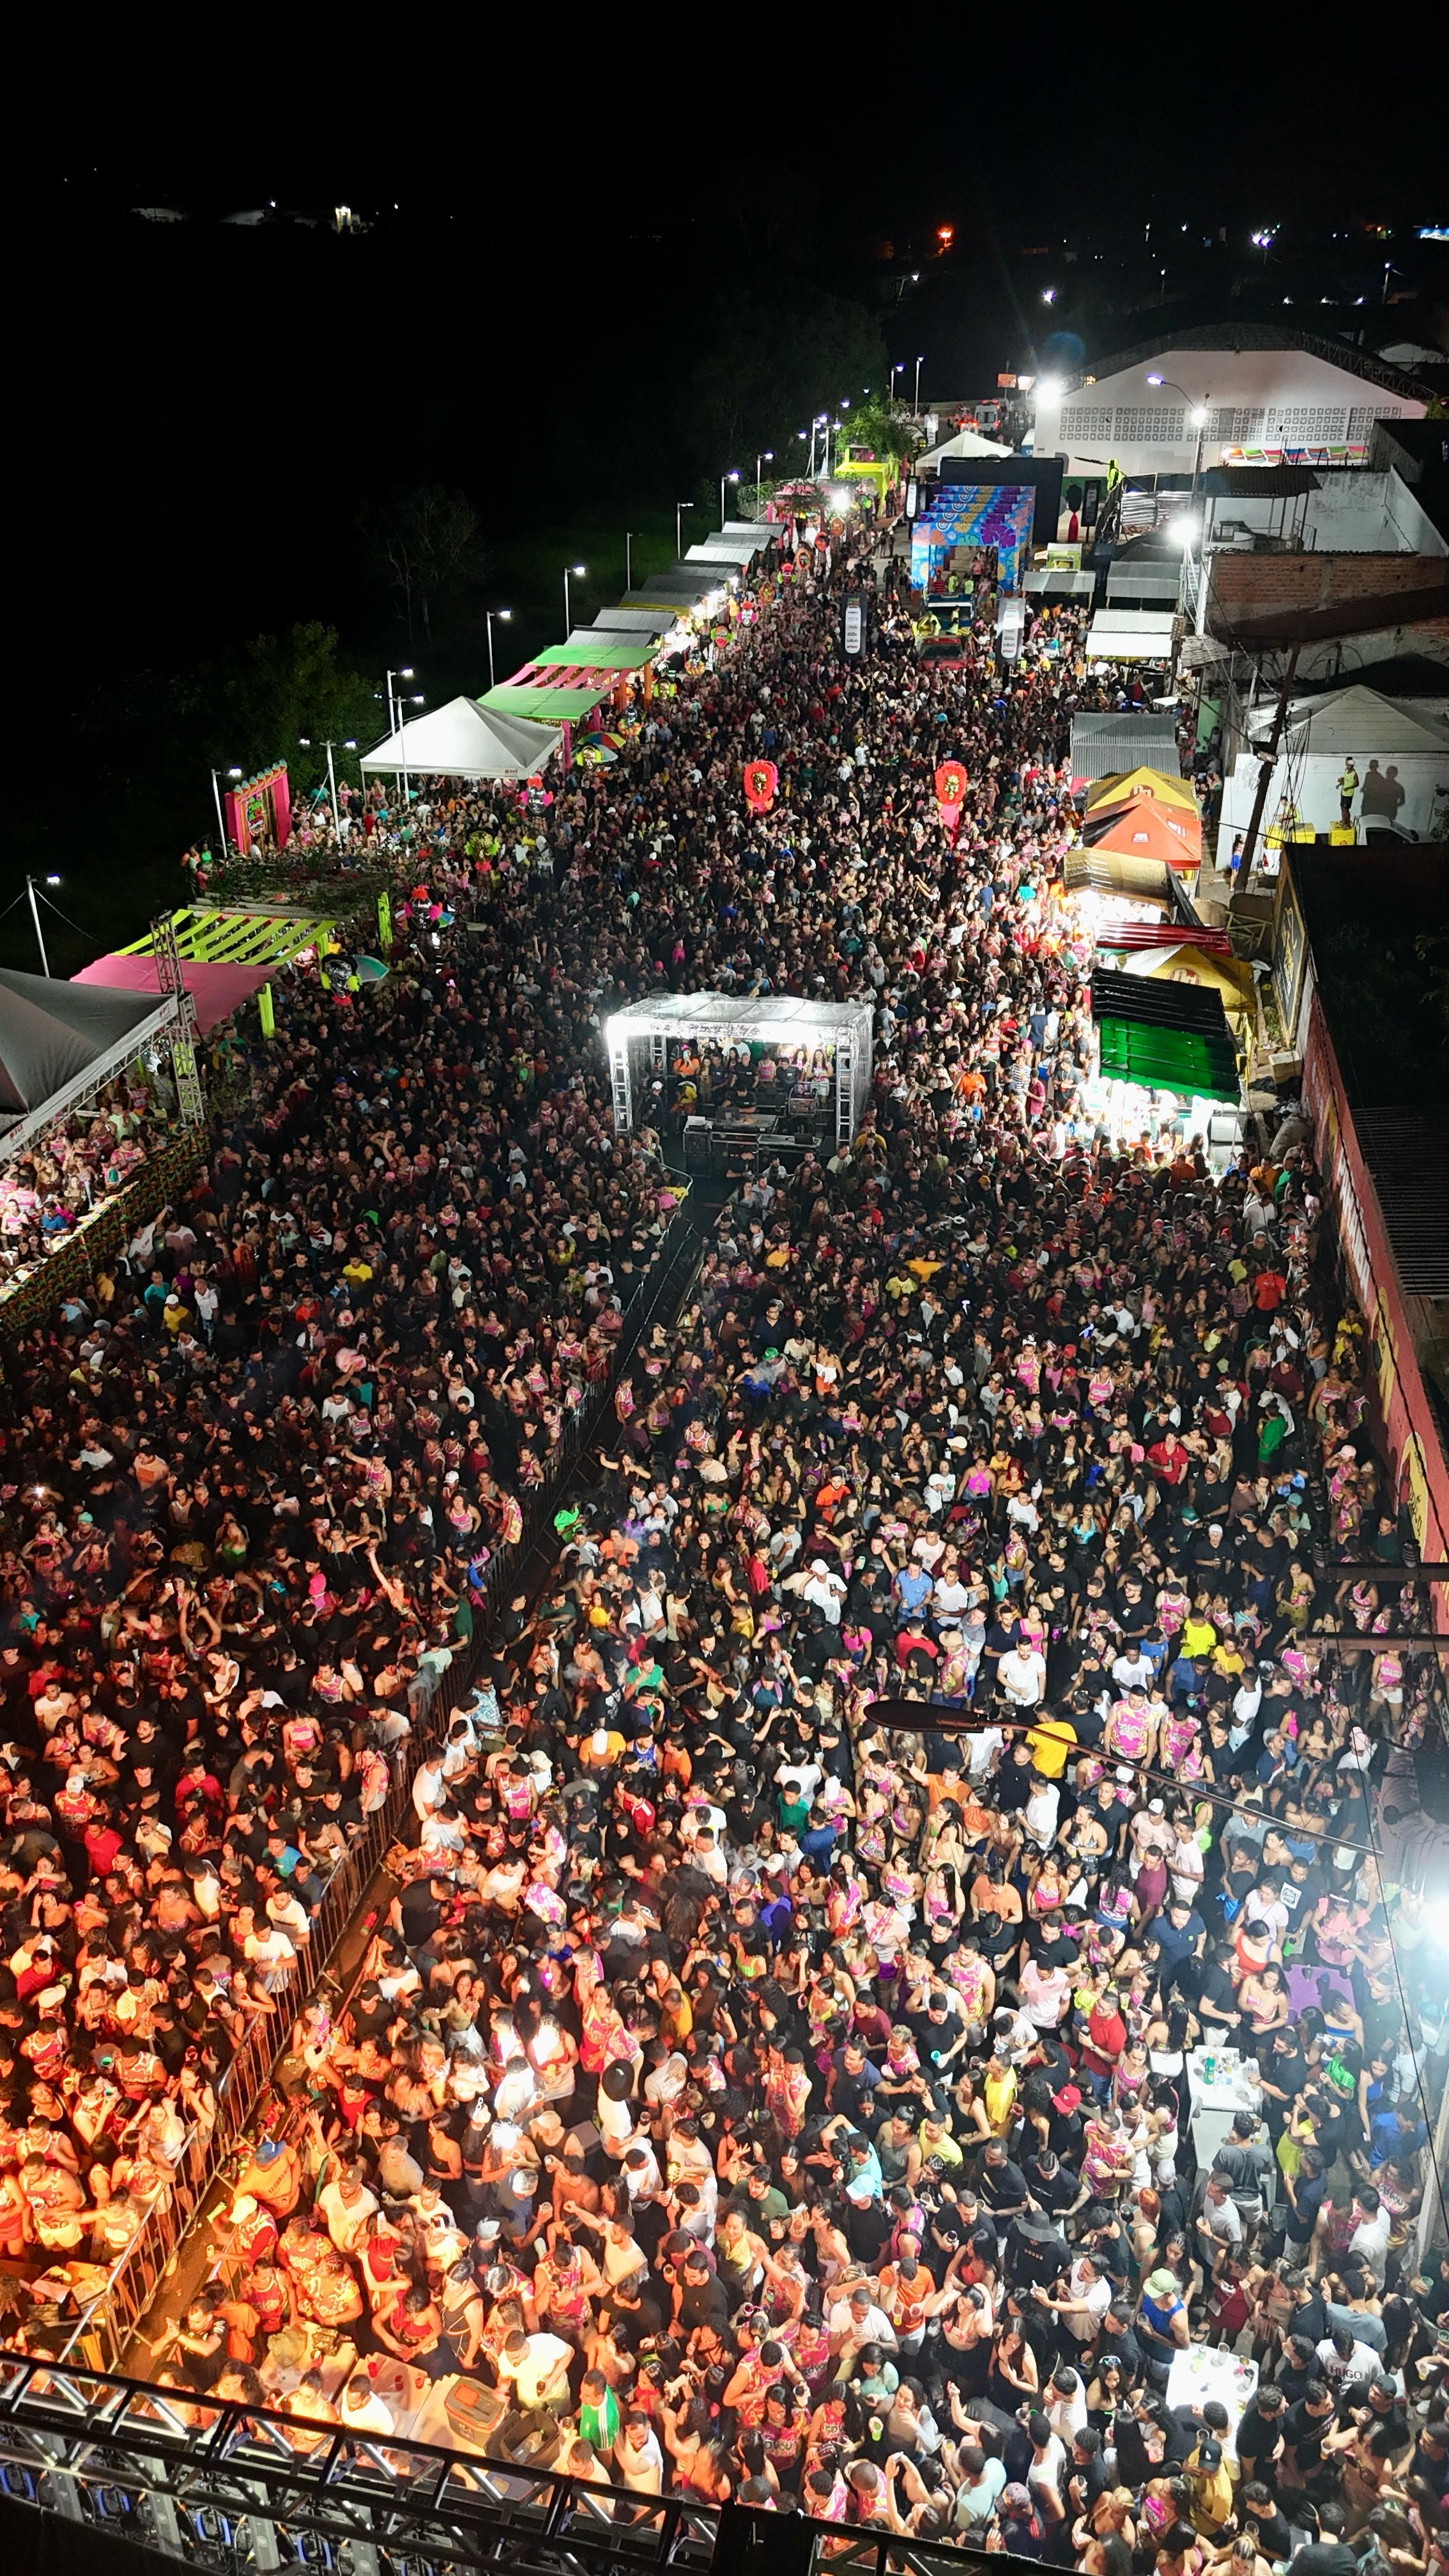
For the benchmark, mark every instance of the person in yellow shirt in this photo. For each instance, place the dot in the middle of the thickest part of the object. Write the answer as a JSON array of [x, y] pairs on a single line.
[[998, 2090], [1050, 1743]]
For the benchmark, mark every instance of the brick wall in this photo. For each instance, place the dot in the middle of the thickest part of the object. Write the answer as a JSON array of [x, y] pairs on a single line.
[[1241, 584]]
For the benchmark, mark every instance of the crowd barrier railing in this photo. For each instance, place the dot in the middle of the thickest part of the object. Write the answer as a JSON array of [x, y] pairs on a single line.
[[72, 1265]]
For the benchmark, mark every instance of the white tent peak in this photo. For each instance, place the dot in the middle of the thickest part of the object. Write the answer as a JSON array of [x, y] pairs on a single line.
[[1362, 720], [464, 740], [966, 442]]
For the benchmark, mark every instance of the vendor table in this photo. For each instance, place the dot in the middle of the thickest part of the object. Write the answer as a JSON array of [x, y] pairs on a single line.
[[1213, 2104], [1203, 2372]]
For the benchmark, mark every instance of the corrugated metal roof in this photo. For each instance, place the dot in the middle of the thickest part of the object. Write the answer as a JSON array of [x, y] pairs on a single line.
[[1407, 1153], [1172, 1036], [1259, 482], [1103, 745]]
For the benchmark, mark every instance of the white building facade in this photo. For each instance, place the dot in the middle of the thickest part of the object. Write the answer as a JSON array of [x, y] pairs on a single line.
[[1292, 397]]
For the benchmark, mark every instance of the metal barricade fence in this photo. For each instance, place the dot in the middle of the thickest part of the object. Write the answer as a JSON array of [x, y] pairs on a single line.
[[106, 2331], [240, 2491]]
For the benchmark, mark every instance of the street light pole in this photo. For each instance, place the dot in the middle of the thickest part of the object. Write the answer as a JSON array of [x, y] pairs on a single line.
[[39, 933], [764, 458], [220, 819], [490, 613], [1197, 414], [679, 509], [920, 362], [733, 476], [332, 792], [578, 572], [395, 719], [628, 560]]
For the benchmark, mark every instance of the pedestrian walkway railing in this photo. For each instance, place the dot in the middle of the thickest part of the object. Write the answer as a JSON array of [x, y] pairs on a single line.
[[103, 2335]]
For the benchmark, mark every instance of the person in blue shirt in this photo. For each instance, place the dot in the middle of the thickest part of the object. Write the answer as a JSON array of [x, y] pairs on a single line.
[[912, 1586], [1395, 2136]]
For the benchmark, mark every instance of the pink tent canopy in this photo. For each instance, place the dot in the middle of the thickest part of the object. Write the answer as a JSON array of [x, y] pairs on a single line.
[[217, 990]]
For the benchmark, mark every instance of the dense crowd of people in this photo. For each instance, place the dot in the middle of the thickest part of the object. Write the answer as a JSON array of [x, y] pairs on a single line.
[[759, 2086], [52, 1187]]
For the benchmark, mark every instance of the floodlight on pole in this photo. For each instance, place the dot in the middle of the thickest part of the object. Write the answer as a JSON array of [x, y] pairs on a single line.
[[216, 776], [489, 615]]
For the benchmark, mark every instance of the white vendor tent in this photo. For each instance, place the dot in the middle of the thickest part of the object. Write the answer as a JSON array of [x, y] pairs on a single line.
[[463, 740], [638, 1040], [1361, 720], [966, 442], [1400, 754]]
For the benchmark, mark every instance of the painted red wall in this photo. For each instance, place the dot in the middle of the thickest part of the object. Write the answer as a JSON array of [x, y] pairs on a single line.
[[1412, 1432]]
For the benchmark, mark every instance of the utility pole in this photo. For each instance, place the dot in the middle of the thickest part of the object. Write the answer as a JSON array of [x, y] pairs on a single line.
[[1267, 762]]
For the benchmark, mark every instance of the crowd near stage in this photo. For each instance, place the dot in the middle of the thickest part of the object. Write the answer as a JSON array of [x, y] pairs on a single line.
[[743, 1551]]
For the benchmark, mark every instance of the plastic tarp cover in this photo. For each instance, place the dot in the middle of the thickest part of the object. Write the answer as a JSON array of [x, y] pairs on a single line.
[[52, 1031], [217, 990]]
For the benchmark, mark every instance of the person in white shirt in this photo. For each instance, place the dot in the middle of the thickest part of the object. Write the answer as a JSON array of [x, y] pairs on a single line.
[[1066, 2403], [1022, 1675], [362, 2411], [1081, 2307], [1370, 2239], [346, 2205], [1040, 1813], [1133, 1670], [856, 2320], [638, 2459], [1263, 1906], [825, 1589], [1185, 1862], [538, 2365]]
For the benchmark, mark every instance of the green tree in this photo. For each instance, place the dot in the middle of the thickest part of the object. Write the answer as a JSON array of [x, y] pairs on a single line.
[[260, 703], [884, 429], [425, 548], [768, 367]]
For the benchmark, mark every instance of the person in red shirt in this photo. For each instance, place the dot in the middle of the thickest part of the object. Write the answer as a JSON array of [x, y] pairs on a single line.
[[1103, 2043], [1269, 1289], [102, 1843], [1168, 1460]]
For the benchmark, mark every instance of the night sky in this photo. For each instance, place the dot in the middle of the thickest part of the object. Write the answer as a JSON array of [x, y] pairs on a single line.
[[207, 409]]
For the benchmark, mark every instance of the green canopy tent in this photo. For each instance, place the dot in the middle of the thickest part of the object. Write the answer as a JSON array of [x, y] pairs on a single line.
[[545, 705], [595, 651], [1169, 1037]]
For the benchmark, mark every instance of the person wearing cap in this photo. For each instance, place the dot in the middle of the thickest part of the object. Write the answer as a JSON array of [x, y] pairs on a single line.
[[1161, 2323], [273, 2177], [1210, 2481]]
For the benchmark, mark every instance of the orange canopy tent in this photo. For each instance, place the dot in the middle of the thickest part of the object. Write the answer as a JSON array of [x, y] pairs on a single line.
[[1128, 783], [1146, 830]]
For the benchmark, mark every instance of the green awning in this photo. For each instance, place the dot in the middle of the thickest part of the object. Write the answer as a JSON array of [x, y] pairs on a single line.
[[619, 653], [546, 706], [1173, 1037], [1169, 1060]]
